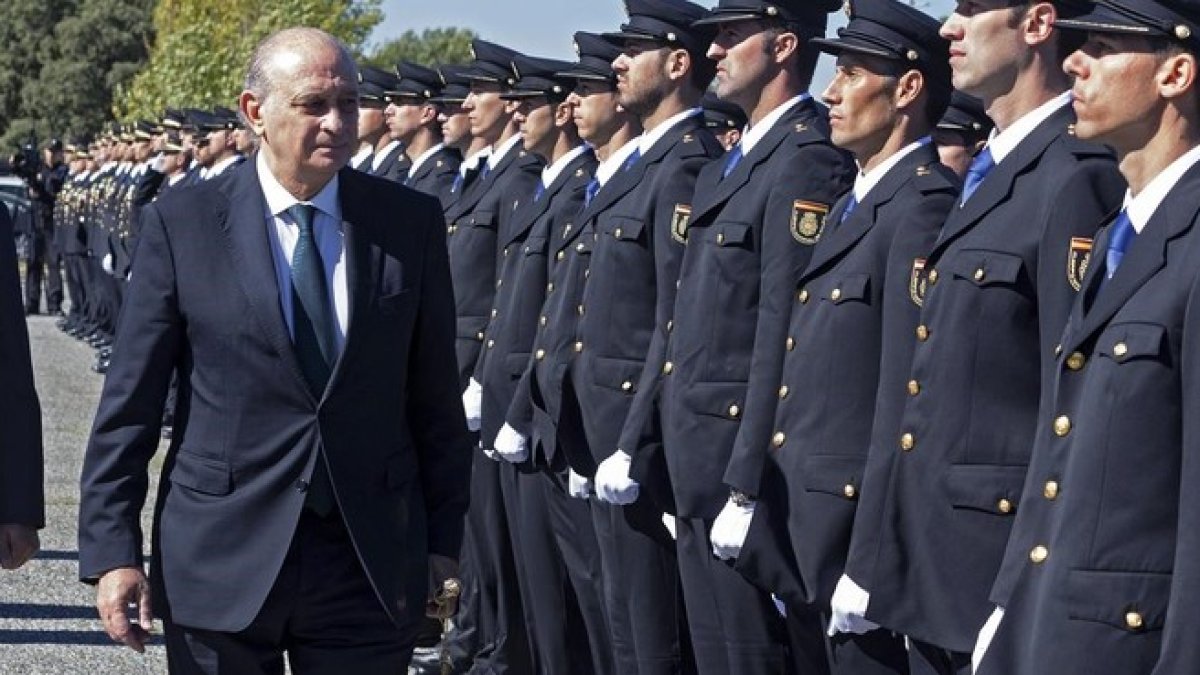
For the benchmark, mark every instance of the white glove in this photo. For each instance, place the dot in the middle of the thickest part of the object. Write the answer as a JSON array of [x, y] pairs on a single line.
[[613, 483], [849, 609], [490, 454], [729, 530], [668, 522], [106, 263], [578, 486], [986, 635], [512, 445], [473, 404]]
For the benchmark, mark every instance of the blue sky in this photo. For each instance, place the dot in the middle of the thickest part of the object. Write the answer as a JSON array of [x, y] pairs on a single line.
[[539, 27]]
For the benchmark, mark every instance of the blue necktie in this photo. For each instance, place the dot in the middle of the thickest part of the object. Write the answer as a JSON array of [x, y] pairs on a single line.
[[593, 187], [633, 159], [1119, 238], [979, 169], [458, 182], [312, 319], [731, 162], [541, 190], [487, 169], [850, 206]]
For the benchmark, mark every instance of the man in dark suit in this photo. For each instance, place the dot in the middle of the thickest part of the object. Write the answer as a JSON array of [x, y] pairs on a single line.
[[317, 480], [22, 510], [944, 475], [1100, 575]]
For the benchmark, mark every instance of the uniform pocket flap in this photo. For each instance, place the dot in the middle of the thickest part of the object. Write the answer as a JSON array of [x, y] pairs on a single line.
[[851, 287], [839, 475], [1132, 601], [619, 374], [719, 399], [730, 234], [984, 268], [1125, 341], [470, 327], [515, 364], [625, 229], [535, 245], [480, 219], [985, 487], [208, 475]]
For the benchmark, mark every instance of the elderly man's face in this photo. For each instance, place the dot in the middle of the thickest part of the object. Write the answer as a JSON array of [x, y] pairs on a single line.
[[309, 121]]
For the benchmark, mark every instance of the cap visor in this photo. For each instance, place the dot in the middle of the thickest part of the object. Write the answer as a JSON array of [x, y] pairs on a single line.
[[727, 17], [585, 75], [626, 36], [1102, 19], [837, 46]]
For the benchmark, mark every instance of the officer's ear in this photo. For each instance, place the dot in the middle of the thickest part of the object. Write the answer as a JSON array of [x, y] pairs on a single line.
[[1176, 78], [909, 87], [1037, 24], [564, 113], [429, 114], [678, 64], [784, 45]]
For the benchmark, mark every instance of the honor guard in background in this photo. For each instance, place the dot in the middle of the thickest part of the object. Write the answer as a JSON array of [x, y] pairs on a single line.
[[45, 254], [372, 126], [456, 131], [552, 533], [72, 239], [931, 528], [636, 223], [221, 149], [388, 159], [853, 299], [724, 119], [412, 119], [962, 132], [1100, 576]]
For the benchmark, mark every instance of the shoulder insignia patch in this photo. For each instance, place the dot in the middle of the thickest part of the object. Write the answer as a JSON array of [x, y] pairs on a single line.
[[918, 282], [1071, 129], [801, 127], [923, 170], [679, 222], [688, 137], [808, 221], [1078, 257]]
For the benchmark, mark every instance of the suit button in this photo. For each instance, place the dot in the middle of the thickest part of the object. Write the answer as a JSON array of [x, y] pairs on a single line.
[[668, 367], [587, 273], [479, 336], [527, 249], [907, 442], [579, 247], [505, 252], [560, 255], [495, 313], [302, 485], [1120, 350], [836, 295], [550, 287], [779, 439], [578, 347], [850, 491], [922, 332], [491, 343], [670, 325], [914, 387], [617, 233], [579, 310], [1062, 425], [1134, 620], [933, 277], [979, 274], [803, 296], [1039, 554], [540, 355], [734, 411], [1050, 490], [499, 283], [543, 320], [626, 386], [784, 391], [790, 344], [721, 238], [1004, 506], [1075, 361]]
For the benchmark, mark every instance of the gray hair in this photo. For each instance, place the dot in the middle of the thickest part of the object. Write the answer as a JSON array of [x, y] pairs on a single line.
[[259, 75]]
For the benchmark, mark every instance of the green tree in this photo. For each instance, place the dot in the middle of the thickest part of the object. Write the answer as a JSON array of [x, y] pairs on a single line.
[[432, 46], [201, 47], [26, 43]]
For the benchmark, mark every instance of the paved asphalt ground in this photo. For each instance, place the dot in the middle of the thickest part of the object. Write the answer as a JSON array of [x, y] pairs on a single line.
[[48, 621]]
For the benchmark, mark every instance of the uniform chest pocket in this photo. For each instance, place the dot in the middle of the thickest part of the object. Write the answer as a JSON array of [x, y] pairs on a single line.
[[730, 234], [480, 219], [535, 246], [849, 288], [624, 229], [1125, 342], [1132, 601], [987, 268]]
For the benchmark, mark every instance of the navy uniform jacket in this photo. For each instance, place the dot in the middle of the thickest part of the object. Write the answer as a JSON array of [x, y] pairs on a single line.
[[1102, 572], [745, 248], [1001, 279], [514, 318], [436, 175], [635, 224], [474, 223], [21, 492], [394, 165], [389, 425], [861, 289]]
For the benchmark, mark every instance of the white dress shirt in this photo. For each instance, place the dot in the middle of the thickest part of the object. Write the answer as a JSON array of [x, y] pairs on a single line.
[[609, 167], [420, 161], [377, 160], [751, 135]]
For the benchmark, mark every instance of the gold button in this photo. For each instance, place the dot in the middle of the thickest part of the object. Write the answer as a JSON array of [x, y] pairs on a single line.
[[922, 333], [779, 439], [908, 442], [914, 387], [803, 297], [850, 491], [1120, 350], [587, 273], [1057, 351], [495, 313], [933, 276], [550, 287], [721, 238], [784, 391], [734, 410], [579, 310], [479, 336], [617, 233], [578, 347], [561, 255], [1076, 360], [979, 274], [668, 367], [626, 386], [541, 354], [491, 343], [543, 320], [1134, 620], [1050, 490], [836, 295], [499, 283], [527, 249], [579, 247], [1062, 425], [670, 325], [1039, 554], [790, 344], [505, 251], [1004, 506]]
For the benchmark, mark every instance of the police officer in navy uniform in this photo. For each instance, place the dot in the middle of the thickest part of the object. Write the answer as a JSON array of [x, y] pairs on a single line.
[[962, 132], [1100, 575], [855, 295], [412, 119], [456, 130], [724, 119], [372, 129], [1000, 279], [388, 159]]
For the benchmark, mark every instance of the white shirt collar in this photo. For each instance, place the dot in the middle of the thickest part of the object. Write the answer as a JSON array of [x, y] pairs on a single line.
[[609, 167], [753, 134], [220, 167], [383, 154], [176, 177], [552, 171], [649, 138], [412, 170], [471, 163], [361, 156], [1141, 208], [280, 200], [865, 182], [499, 153], [1002, 143]]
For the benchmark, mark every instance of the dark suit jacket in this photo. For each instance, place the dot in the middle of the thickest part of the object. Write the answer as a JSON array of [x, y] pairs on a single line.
[[21, 496], [1112, 486], [203, 298], [1000, 288]]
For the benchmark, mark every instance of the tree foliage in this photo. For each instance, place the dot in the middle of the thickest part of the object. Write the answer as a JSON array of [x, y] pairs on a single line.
[[429, 47], [201, 50]]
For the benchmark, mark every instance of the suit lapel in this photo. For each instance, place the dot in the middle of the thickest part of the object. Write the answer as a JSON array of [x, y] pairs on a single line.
[[362, 266]]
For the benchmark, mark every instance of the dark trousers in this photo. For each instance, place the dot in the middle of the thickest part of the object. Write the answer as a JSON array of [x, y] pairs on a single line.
[[928, 659], [44, 266], [76, 285], [641, 590], [878, 652], [322, 614], [734, 625]]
